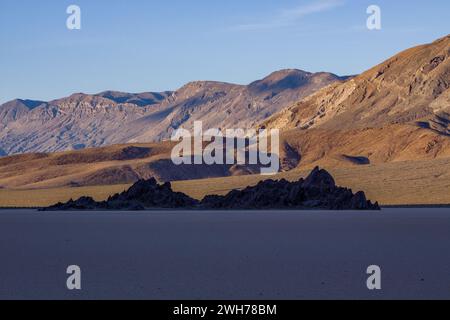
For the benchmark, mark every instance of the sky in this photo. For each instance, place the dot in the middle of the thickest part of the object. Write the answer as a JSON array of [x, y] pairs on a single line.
[[149, 45]]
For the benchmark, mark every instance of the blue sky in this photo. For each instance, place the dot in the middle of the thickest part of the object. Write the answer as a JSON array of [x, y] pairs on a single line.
[[148, 45]]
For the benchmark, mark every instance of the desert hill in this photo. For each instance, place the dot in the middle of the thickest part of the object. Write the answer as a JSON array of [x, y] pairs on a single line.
[[409, 88], [396, 111], [118, 164], [354, 147]]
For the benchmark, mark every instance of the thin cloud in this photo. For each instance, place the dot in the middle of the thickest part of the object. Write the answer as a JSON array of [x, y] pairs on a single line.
[[288, 17]]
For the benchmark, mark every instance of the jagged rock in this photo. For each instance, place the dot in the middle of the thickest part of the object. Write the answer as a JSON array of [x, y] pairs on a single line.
[[317, 191], [84, 203], [153, 195], [143, 194]]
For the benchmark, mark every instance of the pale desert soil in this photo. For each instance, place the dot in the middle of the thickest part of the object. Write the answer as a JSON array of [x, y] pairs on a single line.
[[226, 255]]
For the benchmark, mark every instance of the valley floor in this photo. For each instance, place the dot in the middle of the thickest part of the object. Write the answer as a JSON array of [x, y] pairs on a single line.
[[395, 183], [225, 255]]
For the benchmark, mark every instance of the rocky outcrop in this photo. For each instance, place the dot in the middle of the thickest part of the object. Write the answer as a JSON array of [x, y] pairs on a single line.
[[144, 194], [317, 191]]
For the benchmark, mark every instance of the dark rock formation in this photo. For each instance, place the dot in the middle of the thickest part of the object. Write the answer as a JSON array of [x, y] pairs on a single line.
[[144, 194], [317, 191], [150, 194]]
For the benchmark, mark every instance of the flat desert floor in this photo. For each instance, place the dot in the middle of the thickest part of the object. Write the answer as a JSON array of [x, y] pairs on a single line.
[[225, 255]]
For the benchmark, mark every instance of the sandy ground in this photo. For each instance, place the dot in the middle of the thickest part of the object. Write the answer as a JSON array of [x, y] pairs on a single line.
[[218, 255]]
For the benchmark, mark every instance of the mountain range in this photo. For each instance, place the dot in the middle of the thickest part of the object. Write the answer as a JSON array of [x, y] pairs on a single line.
[[85, 121]]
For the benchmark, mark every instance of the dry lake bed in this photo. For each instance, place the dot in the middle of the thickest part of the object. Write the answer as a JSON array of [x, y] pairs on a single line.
[[225, 255]]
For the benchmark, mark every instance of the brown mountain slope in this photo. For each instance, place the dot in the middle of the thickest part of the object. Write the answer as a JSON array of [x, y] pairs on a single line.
[[355, 147], [396, 111], [411, 87]]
